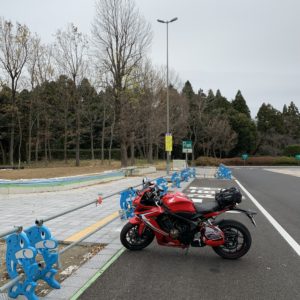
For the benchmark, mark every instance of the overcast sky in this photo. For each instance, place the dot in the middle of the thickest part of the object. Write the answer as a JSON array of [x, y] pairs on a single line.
[[251, 45]]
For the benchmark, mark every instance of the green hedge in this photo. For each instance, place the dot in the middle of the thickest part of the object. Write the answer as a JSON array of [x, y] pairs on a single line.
[[252, 161], [292, 150]]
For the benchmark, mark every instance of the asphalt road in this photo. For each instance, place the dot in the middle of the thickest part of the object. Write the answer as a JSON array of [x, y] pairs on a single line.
[[279, 194], [270, 270]]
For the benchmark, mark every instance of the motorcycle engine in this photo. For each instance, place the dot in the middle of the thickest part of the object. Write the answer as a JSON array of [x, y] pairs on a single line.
[[177, 229]]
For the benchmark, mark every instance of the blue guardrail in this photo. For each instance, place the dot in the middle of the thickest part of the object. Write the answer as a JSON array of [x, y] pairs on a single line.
[[223, 172], [21, 251]]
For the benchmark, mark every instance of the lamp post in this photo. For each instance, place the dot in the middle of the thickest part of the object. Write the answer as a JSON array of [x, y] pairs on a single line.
[[168, 109]]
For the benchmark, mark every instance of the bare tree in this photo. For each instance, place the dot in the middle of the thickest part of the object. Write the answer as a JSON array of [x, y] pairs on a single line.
[[40, 68], [13, 56], [153, 126], [71, 47], [195, 122], [217, 136], [121, 38]]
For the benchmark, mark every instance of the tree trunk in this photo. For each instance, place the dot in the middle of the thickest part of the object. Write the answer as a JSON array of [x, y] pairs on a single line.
[[124, 157], [37, 138], [92, 141], [49, 148], [45, 144], [193, 151], [77, 133], [29, 132], [132, 160], [65, 136], [12, 137], [12, 132], [111, 137], [157, 152], [150, 153], [3, 154], [20, 141], [103, 135], [139, 149]]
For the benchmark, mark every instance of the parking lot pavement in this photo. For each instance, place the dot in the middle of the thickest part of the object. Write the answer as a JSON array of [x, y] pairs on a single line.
[[278, 193], [286, 171], [270, 270]]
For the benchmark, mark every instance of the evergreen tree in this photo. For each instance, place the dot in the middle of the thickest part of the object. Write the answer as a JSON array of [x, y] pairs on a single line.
[[284, 110], [188, 90], [216, 104], [210, 96], [221, 103], [246, 130], [269, 118], [240, 104], [291, 120]]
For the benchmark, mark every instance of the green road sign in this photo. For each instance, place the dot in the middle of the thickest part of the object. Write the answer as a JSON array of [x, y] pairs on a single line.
[[245, 156], [187, 147], [297, 156]]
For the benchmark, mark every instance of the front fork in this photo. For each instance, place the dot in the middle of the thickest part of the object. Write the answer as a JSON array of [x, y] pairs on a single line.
[[137, 221]]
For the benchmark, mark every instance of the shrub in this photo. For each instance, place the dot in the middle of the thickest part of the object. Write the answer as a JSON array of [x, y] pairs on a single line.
[[292, 150], [207, 161], [252, 161]]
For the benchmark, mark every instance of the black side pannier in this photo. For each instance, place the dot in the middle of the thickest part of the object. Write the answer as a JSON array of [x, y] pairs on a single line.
[[229, 197]]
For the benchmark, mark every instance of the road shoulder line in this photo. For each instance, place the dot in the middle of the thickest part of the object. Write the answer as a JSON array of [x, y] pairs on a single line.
[[276, 225]]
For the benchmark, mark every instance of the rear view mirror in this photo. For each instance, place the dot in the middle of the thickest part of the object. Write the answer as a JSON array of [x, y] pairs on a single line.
[[146, 181]]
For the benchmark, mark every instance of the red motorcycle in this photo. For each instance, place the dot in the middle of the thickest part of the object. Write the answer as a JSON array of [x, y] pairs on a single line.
[[176, 221]]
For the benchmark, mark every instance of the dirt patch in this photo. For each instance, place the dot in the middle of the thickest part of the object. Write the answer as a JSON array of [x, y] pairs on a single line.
[[71, 260]]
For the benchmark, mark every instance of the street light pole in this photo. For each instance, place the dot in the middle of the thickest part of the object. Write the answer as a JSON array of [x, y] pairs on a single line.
[[168, 101]]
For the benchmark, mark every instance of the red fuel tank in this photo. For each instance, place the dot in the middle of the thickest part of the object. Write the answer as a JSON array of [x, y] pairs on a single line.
[[179, 202]]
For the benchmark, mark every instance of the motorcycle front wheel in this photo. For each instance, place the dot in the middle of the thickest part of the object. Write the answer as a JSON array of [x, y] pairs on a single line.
[[131, 239], [237, 240]]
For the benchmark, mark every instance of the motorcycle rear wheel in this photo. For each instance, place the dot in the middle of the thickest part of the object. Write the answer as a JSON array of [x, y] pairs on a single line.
[[131, 240], [237, 240]]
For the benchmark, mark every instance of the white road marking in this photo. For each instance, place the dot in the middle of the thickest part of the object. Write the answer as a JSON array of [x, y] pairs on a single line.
[[197, 200], [276, 225], [206, 196]]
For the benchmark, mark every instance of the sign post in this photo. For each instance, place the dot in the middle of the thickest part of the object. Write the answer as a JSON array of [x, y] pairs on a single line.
[[187, 148], [168, 148], [245, 157]]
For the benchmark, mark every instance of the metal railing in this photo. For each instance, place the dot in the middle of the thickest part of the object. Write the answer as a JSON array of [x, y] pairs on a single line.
[[41, 221]]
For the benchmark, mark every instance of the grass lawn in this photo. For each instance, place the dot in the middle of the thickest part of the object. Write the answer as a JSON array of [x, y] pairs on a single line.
[[60, 169]]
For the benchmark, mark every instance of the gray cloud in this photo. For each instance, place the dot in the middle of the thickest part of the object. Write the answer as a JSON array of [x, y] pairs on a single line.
[[251, 45]]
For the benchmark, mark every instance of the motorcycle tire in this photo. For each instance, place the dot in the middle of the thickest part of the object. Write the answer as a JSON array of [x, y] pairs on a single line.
[[131, 240], [237, 240]]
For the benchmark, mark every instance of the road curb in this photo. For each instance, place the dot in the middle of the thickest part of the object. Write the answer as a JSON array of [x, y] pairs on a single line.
[[97, 274]]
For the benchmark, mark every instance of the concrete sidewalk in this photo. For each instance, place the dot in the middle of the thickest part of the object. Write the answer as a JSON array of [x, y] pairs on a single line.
[[24, 209]]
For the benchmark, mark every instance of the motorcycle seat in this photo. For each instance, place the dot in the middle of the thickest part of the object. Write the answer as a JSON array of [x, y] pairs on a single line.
[[207, 207]]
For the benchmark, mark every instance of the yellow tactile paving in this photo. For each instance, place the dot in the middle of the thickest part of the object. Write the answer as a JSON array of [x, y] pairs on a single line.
[[77, 236]]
